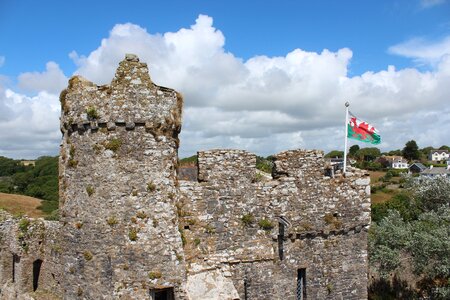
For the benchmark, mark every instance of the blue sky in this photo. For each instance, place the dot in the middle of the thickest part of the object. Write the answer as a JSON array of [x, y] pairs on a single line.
[[376, 52]]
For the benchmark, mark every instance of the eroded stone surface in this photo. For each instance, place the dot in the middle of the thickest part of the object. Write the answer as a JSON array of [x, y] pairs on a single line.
[[130, 228]]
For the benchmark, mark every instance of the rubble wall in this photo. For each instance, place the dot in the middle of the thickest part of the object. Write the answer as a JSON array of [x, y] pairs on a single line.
[[118, 187], [231, 222]]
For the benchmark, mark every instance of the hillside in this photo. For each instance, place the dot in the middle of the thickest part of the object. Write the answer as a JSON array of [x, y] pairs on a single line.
[[19, 204]]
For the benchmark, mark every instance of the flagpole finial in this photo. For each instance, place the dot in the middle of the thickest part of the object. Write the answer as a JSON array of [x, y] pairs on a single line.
[[347, 104]]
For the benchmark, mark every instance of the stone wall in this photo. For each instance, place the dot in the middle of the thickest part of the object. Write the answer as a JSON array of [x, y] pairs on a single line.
[[118, 186], [30, 254], [231, 222], [129, 229]]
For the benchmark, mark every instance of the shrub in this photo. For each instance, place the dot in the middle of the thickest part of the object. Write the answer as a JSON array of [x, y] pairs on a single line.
[[132, 234], [197, 241], [265, 224], [248, 219], [23, 224], [87, 255], [151, 187], [89, 190], [113, 145], [141, 215], [92, 113], [112, 221], [154, 275]]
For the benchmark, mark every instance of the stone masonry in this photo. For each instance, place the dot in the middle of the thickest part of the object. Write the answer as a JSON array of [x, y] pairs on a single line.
[[130, 229]]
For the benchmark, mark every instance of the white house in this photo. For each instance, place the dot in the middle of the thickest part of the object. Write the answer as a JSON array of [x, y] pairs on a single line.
[[438, 155], [435, 172], [393, 162]]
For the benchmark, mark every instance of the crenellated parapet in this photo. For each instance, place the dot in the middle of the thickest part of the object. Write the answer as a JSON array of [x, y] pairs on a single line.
[[130, 229], [249, 225], [131, 100]]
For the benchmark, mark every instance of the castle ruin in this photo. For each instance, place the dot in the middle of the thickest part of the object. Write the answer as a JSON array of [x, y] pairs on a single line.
[[130, 229]]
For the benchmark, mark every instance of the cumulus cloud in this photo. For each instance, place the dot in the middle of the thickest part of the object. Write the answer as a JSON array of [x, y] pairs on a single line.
[[52, 80], [28, 125], [269, 104], [423, 51]]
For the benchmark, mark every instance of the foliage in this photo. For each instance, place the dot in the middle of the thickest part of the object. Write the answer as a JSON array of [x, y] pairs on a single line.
[[10, 166], [411, 150], [188, 160], [334, 154], [248, 219], [264, 164], [413, 229], [265, 224], [369, 165], [92, 113], [353, 150], [133, 234], [40, 181], [368, 154], [402, 203], [113, 145]]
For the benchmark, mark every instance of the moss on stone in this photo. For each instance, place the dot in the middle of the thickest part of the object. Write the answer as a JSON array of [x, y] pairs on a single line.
[[151, 187], [87, 255], [133, 234], [154, 275], [92, 113], [89, 190], [114, 144], [248, 219], [265, 224]]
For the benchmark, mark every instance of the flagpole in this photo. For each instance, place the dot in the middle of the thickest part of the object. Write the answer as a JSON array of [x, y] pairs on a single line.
[[346, 133]]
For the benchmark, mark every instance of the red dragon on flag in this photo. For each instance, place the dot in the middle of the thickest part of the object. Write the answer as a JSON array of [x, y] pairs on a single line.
[[362, 131]]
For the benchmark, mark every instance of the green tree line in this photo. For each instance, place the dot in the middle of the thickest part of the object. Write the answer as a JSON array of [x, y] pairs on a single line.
[[40, 181]]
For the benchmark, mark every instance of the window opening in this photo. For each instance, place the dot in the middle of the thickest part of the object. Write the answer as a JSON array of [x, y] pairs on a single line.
[[36, 270], [301, 284], [162, 294], [16, 261]]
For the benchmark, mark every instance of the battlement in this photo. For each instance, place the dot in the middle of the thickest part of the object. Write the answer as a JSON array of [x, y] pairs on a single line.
[[130, 229], [131, 100]]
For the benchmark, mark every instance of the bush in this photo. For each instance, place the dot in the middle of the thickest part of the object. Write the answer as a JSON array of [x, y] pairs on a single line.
[[248, 219], [265, 224]]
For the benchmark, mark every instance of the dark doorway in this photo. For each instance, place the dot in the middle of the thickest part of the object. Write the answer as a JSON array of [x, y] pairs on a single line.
[[162, 294], [36, 270], [16, 261], [280, 240], [301, 284]]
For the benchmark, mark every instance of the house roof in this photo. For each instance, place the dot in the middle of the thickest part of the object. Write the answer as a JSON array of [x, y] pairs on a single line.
[[419, 165], [436, 171], [438, 151]]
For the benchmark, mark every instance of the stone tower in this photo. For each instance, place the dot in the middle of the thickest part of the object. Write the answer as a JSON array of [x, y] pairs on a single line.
[[118, 187]]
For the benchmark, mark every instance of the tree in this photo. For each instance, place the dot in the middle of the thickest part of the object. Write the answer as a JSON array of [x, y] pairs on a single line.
[[368, 154], [411, 150], [353, 150], [335, 153]]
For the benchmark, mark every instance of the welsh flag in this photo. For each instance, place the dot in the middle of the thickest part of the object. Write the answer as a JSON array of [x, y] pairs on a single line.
[[362, 131]]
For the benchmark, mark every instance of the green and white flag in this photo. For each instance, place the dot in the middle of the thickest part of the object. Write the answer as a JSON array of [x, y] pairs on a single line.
[[362, 131]]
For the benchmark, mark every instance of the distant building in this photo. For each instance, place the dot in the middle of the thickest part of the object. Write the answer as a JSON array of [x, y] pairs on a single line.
[[435, 172], [393, 162], [416, 168], [28, 163], [438, 155]]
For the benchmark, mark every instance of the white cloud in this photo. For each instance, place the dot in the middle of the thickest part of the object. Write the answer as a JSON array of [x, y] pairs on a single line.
[[51, 80], [423, 51], [431, 3], [268, 104], [2, 60], [29, 126]]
